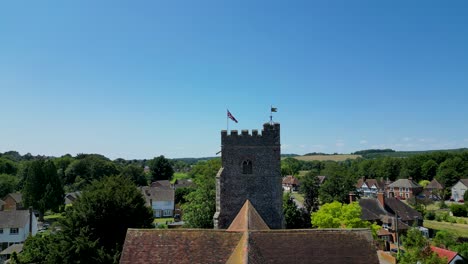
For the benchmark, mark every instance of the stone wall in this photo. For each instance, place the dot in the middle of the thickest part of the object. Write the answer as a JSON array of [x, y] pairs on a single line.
[[262, 186]]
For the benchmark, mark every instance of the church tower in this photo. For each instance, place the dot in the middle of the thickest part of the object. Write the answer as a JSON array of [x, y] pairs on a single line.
[[251, 170]]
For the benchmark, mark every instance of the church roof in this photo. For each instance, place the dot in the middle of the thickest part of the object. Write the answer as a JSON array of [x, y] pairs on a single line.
[[248, 240], [247, 219]]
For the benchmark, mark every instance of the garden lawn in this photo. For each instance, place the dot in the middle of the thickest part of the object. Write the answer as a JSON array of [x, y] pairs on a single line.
[[458, 229]]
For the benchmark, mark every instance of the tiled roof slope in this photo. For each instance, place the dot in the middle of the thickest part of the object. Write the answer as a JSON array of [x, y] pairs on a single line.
[[247, 219], [14, 219], [404, 183], [371, 209], [405, 212], [434, 184], [178, 246], [248, 240], [444, 253]]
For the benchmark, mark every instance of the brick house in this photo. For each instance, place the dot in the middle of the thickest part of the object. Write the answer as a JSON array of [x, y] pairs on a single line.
[[13, 201], [434, 190], [403, 189]]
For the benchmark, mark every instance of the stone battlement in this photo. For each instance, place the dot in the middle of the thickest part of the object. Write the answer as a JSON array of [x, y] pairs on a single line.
[[270, 136]]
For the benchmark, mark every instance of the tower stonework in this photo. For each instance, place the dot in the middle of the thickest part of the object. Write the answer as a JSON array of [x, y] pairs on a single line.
[[251, 170]]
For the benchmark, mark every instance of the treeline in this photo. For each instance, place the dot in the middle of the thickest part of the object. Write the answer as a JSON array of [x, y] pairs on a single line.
[[446, 167]]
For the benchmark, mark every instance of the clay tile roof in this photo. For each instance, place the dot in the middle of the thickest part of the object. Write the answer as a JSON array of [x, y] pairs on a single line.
[[371, 209], [291, 180], [404, 183], [247, 219], [178, 246], [434, 184], [14, 219], [444, 253], [18, 197], [383, 232], [405, 212]]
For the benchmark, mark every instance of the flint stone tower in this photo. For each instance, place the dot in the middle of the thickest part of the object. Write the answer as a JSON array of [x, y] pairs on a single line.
[[251, 170]]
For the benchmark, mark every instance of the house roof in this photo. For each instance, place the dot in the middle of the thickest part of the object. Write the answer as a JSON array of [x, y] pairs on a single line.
[[13, 248], [321, 179], [444, 253], [434, 184], [405, 183], [164, 183], [371, 209], [18, 197], [370, 182], [404, 212], [248, 240], [14, 218], [464, 181], [157, 194], [291, 180], [72, 196], [181, 183]]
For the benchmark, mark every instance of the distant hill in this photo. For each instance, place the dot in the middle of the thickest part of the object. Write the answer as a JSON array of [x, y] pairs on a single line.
[[325, 157], [376, 153]]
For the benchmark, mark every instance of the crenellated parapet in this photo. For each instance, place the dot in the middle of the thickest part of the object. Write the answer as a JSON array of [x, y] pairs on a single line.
[[270, 136]]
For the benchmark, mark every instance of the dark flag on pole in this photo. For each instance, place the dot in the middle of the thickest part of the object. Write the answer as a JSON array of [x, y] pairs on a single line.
[[274, 109], [231, 116]]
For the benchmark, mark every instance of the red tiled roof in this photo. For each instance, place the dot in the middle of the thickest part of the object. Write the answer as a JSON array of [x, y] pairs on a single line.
[[247, 219], [444, 253], [291, 180]]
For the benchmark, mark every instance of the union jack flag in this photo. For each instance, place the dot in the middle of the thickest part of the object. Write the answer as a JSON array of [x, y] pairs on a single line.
[[231, 116]]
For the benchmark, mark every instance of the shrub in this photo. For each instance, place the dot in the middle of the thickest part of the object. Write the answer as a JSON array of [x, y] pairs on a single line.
[[458, 210], [443, 205], [430, 215]]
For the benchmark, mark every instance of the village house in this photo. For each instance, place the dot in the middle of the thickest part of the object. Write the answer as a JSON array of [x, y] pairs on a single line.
[[403, 189], [13, 201], [290, 183], [183, 183], [71, 197], [451, 256], [385, 211], [15, 227], [434, 190], [161, 200], [459, 189], [369, 187]]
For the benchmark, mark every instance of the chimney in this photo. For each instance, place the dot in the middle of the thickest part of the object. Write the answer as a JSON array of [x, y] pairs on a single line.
[[381, 198], [352, 197], [30, 220]]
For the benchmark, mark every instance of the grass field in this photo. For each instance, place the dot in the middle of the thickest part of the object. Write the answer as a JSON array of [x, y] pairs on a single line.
[[179, 176], [163, 220], [458, 229], [340, 157]]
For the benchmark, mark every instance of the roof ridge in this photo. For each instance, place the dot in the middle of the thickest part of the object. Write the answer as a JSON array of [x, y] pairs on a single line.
[[247, 219]]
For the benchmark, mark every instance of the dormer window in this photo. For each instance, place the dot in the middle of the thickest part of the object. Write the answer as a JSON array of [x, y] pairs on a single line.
[[247, 167]]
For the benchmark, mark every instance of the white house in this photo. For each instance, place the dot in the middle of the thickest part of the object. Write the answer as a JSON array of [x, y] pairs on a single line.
[[459, 189], [160, 199], [15, 228]]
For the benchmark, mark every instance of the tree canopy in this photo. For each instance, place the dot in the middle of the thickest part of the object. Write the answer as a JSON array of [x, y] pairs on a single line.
[[161, 169], [310, 190], [338, 215], [417, 249]]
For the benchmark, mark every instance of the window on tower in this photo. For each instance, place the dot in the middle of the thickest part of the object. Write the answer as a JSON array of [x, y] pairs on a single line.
[[247, 167]]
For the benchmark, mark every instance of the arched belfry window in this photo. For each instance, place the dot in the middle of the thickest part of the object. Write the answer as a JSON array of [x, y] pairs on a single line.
[[247, 167]]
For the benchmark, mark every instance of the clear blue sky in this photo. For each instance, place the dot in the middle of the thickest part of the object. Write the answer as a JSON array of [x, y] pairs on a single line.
[[138, 79]]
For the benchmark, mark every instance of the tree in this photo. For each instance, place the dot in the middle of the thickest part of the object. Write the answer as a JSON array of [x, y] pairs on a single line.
[[418, 250], [161, 169], [7, 166], [290, 166], [8, 184], [429, 169], [337, 185], [135, 173], [338, 215], [94, 228], [294, 217], [448, 172], [200, 206], [90, 167], [43, 189], [310, 190], [444, 239]]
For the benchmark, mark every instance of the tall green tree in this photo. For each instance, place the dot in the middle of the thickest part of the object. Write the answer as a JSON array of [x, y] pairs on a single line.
[[161, 169], [200, 205], [90, 167], [7, 166], [8, 184], [310, 190], [43, 189], [294, 217], [337, 185], [290, 166], [449, 171], [338, 215], [135, 173], [429, 169]]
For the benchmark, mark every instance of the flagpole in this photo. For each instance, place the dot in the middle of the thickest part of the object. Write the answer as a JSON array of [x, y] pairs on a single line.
[[227, 121], [271, 115]]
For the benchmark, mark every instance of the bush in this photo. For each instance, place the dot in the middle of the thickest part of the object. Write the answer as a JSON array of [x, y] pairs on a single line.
[[430, 215], [458, 210], [443, 205]]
